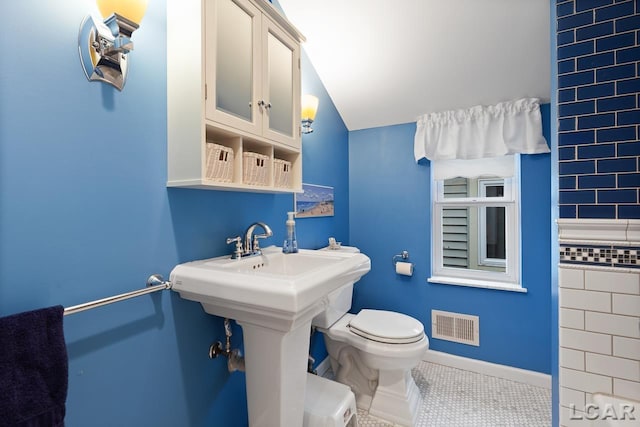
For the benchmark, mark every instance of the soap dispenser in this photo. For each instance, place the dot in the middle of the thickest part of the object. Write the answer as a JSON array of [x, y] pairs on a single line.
[[290, 245]]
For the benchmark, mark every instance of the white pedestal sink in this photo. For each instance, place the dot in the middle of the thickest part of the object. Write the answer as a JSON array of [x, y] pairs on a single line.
[[273, 297]]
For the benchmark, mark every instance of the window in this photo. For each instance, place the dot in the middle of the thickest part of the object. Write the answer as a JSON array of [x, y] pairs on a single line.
[[491, 225], [476, 229]]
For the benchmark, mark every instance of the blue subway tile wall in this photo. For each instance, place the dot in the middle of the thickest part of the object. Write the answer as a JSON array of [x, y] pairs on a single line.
[[575, 138], [582, 5], [596, 151], [568, 66], [565, 9], [596, 211], [619, 133], [567, 125], [616, 11], [629, 212], [567, 95], [577, 197], [596, 121], [599, 108], [596, 91], [629, 86], [617, 103], [593, 31], [628, 24], [568, 211], [567, 183], [615, 42], [596, 181], [567, 153], [566, 37], [616, 72], [629, 149]]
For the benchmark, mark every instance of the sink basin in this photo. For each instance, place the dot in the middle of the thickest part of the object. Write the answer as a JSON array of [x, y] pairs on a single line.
[[282, 285], [273, 297]]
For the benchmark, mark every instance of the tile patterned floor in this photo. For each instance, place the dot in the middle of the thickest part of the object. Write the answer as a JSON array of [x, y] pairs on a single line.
[[456, 398]]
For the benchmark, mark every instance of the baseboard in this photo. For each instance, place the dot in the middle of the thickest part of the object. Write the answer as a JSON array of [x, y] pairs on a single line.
[[323, 367], [533, 378]]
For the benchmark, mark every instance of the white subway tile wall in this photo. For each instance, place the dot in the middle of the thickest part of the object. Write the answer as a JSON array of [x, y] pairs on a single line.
[[585, 341], [570, 318], [626, 326], [626, 347], [599, 337], [626, 388], [585, 300], [572, 278], [585, 381], [628, 305], [573, 359], [613, 281]]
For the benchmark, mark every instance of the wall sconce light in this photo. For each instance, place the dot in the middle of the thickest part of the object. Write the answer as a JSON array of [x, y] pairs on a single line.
[[309, 109], [104, 46]]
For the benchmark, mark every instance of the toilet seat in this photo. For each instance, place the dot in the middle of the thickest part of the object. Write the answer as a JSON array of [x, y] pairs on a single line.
[[386, 327], [377, 354]]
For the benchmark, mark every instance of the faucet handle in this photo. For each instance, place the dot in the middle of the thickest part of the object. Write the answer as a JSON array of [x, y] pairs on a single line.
[[237, 253], [256, 245]]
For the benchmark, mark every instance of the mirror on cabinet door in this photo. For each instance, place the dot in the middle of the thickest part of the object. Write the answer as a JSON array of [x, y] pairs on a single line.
[[234, 53], [280, 76]]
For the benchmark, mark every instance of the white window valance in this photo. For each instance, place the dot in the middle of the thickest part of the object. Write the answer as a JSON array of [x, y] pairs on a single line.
[[481, 132]]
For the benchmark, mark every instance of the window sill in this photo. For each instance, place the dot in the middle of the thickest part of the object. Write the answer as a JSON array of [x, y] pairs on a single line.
[[476, 284]]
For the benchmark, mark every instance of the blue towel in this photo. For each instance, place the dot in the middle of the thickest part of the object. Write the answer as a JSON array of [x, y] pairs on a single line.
[[33, 369]]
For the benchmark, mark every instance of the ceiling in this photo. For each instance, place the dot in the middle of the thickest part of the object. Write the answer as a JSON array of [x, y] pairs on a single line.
[[388, 62]]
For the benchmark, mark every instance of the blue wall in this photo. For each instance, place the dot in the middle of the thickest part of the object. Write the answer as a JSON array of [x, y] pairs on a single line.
[[85, 214], [389, 213]]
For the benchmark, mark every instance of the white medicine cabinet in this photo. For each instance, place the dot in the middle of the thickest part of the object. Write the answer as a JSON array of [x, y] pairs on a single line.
[[233, 96]]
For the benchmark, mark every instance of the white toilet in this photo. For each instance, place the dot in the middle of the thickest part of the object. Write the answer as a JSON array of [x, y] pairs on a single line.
[[373, 352]]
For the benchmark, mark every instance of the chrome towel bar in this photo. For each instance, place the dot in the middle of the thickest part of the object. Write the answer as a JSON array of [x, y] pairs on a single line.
[[155, 283]]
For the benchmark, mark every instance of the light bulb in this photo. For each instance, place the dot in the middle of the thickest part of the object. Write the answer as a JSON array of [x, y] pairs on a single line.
[[133, 10], [309, 107]]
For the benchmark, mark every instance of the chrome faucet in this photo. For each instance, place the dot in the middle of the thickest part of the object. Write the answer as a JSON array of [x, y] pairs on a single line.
[[251, 245]]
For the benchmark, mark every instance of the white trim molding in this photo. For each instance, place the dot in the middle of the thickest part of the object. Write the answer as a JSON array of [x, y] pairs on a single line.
[[633, 230], [612, 231], [323, 367], [532, 378], [524, 376]]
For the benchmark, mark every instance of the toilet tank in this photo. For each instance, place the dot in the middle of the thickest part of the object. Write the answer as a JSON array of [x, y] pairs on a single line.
[[339, 300], [339, 305]]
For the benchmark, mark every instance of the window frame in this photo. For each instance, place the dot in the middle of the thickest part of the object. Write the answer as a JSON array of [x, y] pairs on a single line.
[[510, 279], [483, 183]]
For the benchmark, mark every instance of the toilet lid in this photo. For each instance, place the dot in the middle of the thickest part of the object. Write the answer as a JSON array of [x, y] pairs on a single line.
[[387, 327]]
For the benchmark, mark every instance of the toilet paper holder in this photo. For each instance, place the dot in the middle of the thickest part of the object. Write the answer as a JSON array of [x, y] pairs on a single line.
[[404, 255]]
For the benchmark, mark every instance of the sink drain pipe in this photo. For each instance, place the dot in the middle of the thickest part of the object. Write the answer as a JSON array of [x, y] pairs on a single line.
[[235, 360]]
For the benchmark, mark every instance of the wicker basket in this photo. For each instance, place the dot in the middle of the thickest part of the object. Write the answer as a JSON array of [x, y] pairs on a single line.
[[254, 168], [219, 162], [281, 173]]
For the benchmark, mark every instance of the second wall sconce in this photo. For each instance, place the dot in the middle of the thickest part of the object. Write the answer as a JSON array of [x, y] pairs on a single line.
[[309, 109], [104, 45]]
